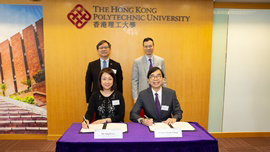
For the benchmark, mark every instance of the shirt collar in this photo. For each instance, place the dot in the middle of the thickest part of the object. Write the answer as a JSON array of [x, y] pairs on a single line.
[[101, 60], [159, 91], [147, 58]]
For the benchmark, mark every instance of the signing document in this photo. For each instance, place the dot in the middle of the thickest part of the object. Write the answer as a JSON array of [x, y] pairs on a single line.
[[107, 126], [184, 126]]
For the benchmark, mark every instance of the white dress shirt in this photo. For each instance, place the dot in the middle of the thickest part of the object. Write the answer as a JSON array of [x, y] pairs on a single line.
[[147, 59], [159, 95], [101, 63]]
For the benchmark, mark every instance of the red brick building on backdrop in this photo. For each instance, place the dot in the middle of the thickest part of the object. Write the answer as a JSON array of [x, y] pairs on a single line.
[[21, 58]]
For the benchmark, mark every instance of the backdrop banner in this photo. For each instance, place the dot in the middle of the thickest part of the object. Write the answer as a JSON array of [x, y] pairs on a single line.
[[182, 34], [23, 87]]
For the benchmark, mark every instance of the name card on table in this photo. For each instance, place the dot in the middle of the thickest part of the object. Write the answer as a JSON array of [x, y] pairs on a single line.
[[108, 134], [168, 133]]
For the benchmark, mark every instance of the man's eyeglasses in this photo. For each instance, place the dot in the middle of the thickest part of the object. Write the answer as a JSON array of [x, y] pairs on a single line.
[[148, 46], [103, 47], [155, 76]]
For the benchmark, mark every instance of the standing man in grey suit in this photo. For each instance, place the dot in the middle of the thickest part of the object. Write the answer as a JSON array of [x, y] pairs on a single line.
[[94, 67], [159, 103], [141, 66]]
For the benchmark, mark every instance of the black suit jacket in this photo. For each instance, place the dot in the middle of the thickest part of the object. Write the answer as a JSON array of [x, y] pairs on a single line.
[[91, 79], [146, 101]]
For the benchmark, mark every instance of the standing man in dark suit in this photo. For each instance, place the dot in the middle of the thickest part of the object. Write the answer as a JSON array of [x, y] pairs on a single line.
[[94, 67], [159, 103]]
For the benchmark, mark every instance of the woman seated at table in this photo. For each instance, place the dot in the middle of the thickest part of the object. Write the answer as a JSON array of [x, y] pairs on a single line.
[[108, 104]]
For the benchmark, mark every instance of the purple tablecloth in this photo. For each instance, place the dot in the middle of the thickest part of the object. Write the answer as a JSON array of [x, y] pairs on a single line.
[[138, 138]]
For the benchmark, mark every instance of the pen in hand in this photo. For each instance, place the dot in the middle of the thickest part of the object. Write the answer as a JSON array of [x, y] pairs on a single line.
[[148, 118], [85, 122]]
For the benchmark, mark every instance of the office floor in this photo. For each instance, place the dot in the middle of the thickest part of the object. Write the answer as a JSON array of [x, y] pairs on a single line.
[[27, 146], [244, 144], [225, 145]]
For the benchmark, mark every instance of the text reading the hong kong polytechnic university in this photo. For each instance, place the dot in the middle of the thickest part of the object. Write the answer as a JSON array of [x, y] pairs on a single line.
[[104, 16], [142, 14], [120, 16]]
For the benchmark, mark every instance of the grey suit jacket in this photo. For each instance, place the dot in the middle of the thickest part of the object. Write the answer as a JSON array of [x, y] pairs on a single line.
[[146, 101], [140, 69]]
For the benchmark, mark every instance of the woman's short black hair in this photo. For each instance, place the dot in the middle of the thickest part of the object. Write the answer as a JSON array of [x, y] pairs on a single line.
[[111, 73], [103, 41], [154, 69]]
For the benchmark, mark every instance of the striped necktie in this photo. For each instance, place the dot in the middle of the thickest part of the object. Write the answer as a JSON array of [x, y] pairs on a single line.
[[104, 64]]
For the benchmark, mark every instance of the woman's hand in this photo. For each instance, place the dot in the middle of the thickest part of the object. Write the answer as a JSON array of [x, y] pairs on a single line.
[[102, 121], [85, 125]]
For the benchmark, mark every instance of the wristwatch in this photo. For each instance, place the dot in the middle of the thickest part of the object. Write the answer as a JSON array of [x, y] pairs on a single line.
[[140, 120]]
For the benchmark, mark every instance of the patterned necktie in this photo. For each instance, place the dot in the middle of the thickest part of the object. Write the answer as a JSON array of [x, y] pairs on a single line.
[[157, 104], [151, 65], [104, 64]]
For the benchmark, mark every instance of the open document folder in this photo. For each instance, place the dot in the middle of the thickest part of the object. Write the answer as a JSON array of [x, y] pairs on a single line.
[[184, 126], [108, 126]]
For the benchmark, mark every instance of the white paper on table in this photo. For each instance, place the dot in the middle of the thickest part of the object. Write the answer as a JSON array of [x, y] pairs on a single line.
[[159, 125], [117, 126], [184, 126], [92, 128]]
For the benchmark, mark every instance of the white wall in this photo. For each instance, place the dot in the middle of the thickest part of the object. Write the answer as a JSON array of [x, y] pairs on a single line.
[[247, 79]]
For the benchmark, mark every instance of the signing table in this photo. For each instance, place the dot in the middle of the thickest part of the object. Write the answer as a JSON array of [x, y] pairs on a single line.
[[137, 139]]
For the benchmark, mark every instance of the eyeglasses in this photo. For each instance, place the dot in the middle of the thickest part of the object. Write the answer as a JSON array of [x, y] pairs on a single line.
[[148, 46], [155, 76], [104, 47]]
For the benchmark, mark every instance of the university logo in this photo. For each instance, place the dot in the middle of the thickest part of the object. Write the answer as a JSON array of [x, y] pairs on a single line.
[[79, 16]]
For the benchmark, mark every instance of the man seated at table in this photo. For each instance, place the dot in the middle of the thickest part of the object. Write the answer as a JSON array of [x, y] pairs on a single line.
[[159, 103]]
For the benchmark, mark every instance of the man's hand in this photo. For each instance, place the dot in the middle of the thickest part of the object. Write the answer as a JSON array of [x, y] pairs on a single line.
[[170, 121], [148, 122], [85, 125], [134, 100]]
